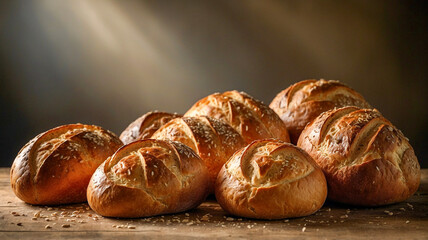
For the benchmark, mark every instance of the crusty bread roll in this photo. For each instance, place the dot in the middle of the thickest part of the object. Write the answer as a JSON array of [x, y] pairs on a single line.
[[213, 140], [146, 125], [55, 166], [250, 117], [146, 178], [366, 160], [270, 179], [304, 101]]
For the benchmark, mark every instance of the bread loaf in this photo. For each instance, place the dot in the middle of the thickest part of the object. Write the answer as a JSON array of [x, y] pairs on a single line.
[[55, 166], [145, 126], [146, 178], [213, 140], [270, 179], [304, 101], [366, 160], [248, 116]]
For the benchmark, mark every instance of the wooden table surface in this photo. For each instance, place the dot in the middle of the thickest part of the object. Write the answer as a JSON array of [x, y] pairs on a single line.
[[407, 220]]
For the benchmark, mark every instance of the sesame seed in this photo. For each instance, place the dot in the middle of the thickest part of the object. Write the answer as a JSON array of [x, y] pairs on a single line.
[[388, 212]]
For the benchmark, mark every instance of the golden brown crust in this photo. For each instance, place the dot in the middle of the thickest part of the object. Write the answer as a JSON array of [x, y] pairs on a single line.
[[213, 140], [270, 179], [146, 125], [304, 101], [55, 166], [366, 160], [248, 116], [146, 178]]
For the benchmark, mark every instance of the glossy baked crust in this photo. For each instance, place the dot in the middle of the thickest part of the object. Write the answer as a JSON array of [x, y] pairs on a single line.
[[304, 101], [55, 166], [213, 140], [146, 178], [248, 116], [367, 161], [270, 179], [144, 126]]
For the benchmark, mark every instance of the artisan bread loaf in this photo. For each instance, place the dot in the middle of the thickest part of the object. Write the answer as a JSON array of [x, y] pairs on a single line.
[[146, 178], [270, 179], [146, 125], [248, 116], [213, 140], [304, 101], [55, 166], [367, 161]]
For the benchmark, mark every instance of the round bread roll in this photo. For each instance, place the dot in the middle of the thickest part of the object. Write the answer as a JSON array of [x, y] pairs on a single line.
[[366, 160], [213, 140], [55, 166], [304, 101], [146, 178], [248, 116], [146, 125], [270, 179]]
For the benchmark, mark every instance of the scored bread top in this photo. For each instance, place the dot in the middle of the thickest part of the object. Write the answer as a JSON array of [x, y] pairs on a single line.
[[146, 125], [362, 152], [63, 143], [248, 116], [153, 166], [265, 163], [304, 101], [353, 136]]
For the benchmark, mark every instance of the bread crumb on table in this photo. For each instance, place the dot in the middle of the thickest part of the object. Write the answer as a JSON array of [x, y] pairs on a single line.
[[15, 214]]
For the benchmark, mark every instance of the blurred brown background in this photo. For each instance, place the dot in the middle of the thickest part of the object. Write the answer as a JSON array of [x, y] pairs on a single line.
[[108, 62]]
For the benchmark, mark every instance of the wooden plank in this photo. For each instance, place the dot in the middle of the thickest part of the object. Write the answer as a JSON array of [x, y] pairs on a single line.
[[407, 220], [226, 234]]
